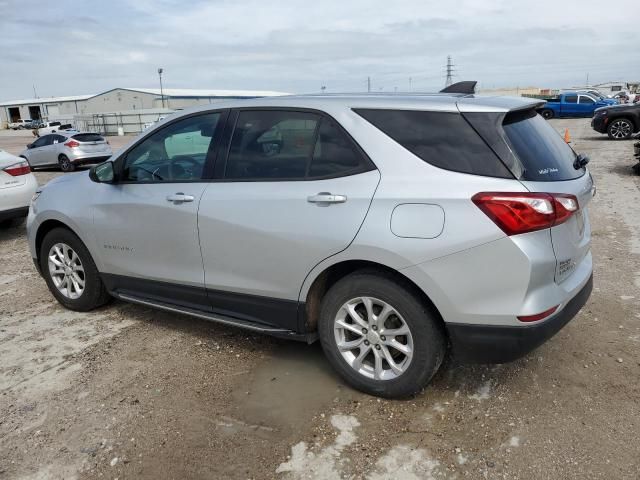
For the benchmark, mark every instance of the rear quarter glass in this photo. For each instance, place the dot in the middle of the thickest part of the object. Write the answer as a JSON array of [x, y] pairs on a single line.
[[531, 148]]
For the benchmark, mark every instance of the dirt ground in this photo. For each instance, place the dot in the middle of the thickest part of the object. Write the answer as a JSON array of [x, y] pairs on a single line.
[[129, 392]]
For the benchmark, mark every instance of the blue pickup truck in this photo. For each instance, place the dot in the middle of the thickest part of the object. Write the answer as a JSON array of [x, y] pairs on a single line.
[[573, 104]]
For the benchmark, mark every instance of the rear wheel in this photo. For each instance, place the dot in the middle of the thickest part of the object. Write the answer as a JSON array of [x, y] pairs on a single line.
[[380, 336], [547, 114], [620, 129], [70, 273], [65, 164]]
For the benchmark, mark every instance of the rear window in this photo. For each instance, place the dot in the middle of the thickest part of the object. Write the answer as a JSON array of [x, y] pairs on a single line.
[[54, 124], [442, 139], [543, 154], [88, 137]]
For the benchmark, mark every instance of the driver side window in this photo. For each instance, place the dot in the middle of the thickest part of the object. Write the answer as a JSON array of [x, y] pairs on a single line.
[[176, 153]]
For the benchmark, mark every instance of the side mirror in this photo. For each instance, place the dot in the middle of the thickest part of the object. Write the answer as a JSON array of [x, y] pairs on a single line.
[[102, 173], [29, 145]]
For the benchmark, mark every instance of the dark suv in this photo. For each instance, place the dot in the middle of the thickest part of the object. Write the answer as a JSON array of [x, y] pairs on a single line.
[[618, 121]]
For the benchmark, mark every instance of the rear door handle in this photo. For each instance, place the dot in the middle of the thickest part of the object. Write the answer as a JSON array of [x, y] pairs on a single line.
[[180, 198], [326, 198]]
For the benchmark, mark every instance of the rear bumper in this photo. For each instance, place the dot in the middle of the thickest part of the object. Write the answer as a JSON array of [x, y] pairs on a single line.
[[87, 160], [500, 344]]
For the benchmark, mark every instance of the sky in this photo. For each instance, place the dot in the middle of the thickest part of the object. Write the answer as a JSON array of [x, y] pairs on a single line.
[[84, 47]]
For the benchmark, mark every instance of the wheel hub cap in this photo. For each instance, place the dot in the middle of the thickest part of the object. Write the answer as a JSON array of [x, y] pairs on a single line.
[[373, 338], [66, 270]]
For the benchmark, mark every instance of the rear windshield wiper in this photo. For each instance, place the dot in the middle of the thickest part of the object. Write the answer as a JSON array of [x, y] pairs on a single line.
[[580, 161]]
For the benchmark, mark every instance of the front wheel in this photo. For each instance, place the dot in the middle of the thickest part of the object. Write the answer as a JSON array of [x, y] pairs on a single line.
[[380, 336], [620, 129], [65, 164], [70, 273]]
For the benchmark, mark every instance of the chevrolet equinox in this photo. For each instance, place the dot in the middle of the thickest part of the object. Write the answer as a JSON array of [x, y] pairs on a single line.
[[391, 228]]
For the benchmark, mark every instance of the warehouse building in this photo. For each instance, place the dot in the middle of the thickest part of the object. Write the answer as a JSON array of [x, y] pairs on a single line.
[[117, 101]]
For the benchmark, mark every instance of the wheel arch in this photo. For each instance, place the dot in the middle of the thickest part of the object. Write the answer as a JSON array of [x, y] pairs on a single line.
[[333, 273], [51, 223]]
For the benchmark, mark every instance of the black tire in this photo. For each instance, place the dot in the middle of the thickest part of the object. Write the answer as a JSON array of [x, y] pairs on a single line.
[[429, 340], [65, 164], [547, 114], [12, 222], [94, 294], [620, 129]]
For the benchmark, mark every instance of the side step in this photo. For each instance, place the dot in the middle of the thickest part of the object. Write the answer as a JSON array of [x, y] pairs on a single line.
[[212, 317]]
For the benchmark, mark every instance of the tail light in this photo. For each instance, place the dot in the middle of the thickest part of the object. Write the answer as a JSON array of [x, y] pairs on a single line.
[[72, 144], [517, 213], [17, 169]]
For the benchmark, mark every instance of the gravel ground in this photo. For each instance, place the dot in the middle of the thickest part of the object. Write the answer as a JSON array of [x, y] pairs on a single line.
[[129, 392]]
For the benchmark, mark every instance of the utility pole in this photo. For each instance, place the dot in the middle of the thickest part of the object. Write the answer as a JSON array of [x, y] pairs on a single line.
[[409, 83], [35, 95], [369, 84], [587, 84], [323, 88], [450, 71], [161, 91]]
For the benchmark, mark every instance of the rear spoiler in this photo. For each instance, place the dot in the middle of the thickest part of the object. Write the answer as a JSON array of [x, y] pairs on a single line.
[[467, 87]]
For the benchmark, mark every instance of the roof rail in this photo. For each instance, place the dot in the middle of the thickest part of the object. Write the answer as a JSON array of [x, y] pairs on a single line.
[[466, 87]]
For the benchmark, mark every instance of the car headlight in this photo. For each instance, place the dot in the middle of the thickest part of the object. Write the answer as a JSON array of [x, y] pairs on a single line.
[[35, 196], [601, 112]]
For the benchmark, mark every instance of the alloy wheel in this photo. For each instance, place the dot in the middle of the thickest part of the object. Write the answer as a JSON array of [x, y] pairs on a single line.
[[373, 338], [620, 129], [66, 270]]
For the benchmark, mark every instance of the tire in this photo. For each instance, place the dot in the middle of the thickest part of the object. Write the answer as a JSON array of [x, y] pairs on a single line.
[[547, 114], [93, 294], [426, 339], [65, 164], [12, 222], [620, 129]]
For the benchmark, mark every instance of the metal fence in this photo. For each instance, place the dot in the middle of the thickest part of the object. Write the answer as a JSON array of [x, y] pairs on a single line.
[[118, 123]]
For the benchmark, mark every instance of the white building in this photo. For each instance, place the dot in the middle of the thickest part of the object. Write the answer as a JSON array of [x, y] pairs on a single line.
[[117, 101]]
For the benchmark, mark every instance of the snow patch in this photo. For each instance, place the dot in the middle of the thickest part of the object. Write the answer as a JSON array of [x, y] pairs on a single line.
[[404, 463], [462, 459], [322, 465], [483, 392], [514, 442]]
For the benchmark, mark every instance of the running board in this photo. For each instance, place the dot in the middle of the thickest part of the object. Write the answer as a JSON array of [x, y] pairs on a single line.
[[212, 317]]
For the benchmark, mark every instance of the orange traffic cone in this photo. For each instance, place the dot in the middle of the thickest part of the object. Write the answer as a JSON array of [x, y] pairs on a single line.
[[567, 137]]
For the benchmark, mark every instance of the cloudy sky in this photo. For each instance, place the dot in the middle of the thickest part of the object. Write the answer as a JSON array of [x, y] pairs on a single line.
[[77, 47]]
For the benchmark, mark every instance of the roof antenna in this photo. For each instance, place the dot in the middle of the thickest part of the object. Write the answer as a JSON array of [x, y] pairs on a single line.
[[466, 87]]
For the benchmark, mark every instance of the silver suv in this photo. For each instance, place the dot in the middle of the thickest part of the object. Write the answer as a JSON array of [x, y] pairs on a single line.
[[391, 228]]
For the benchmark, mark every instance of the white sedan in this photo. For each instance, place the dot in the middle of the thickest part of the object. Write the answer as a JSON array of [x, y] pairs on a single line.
[[17, 186]]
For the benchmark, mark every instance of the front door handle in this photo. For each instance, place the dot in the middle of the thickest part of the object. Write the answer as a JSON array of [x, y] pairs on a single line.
[[180, 198], [325, 198]]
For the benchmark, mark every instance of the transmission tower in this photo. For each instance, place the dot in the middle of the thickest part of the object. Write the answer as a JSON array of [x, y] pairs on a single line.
[[450, 71]]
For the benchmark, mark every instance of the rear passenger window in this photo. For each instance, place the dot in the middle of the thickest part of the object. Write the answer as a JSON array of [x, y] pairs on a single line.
[[571, 99], [282, 145], [442, 139], [271, 145]]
